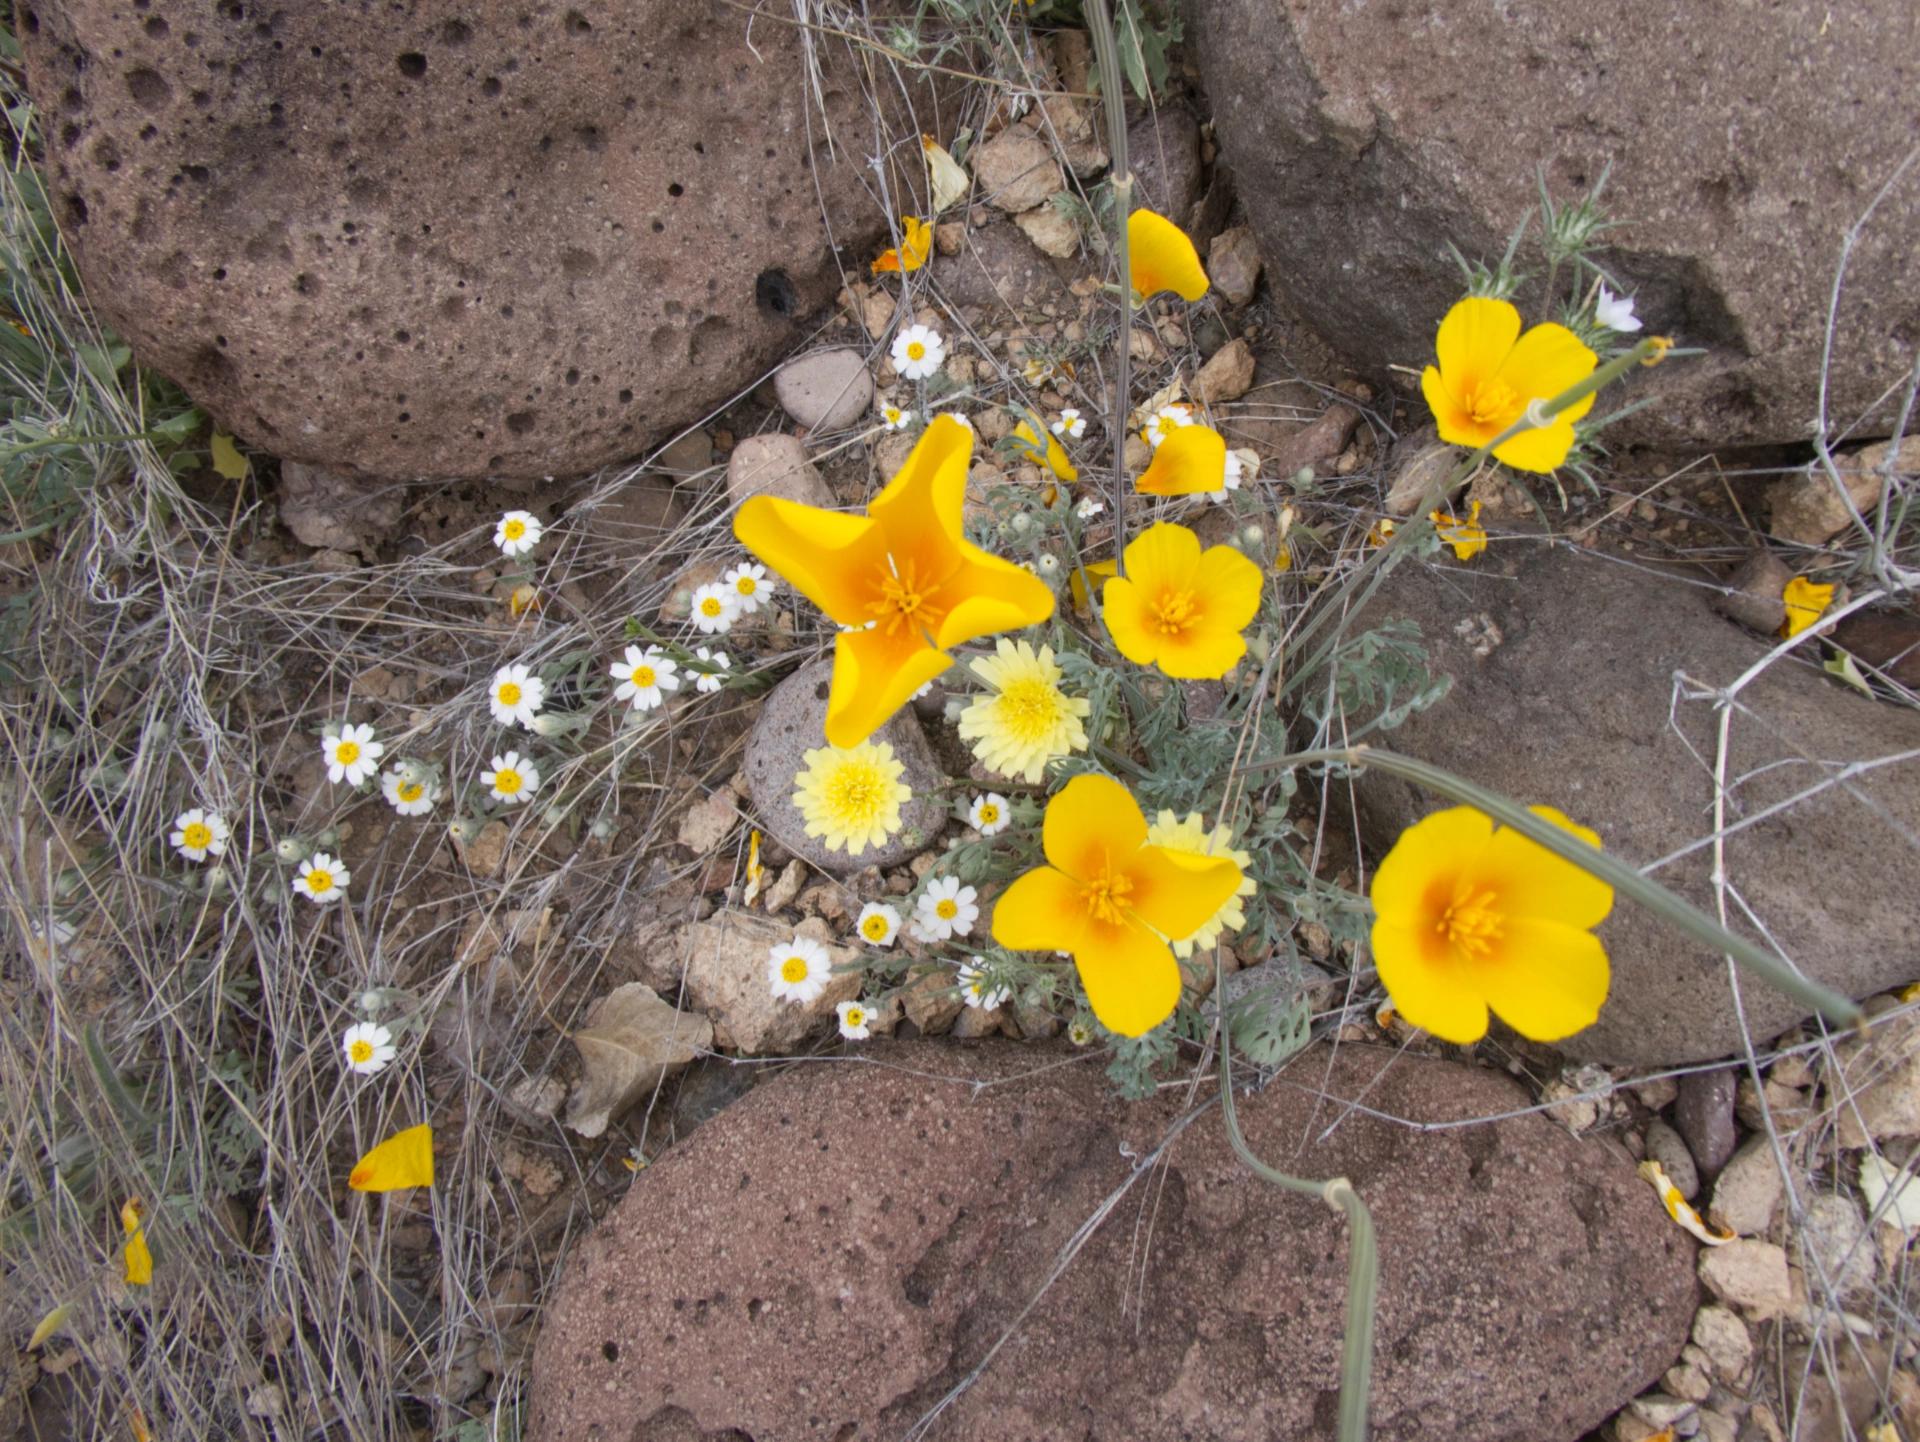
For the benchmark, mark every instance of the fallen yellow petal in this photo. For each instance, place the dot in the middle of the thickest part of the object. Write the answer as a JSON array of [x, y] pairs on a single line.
[[1678, 1209], [1161, 257], [1083, 576], [404, 1159], [1468, 538], [916, 245], [1192, 461], [227, 459], [755, 871], [1806, 603], [49, 1324], [1052, 455], [138, 1261], [950, 182]]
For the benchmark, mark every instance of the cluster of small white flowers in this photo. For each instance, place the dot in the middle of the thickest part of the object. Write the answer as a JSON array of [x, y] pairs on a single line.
[[976, 990], [878, 923], [742, 591], [198, 834], [352, 755], [645, 677], [513, 779], [895, 419], [715, 679]]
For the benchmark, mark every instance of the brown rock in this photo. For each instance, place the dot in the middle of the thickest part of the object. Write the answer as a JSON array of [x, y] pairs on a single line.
[[1233, 264], [1875, 1088], [1428, 466], [1227, 376], [999, 270], [1576, 710], [1365, 144], [832, 1252], [1050, 230], [1317, 444], [1808, 508], [708, 823], [931, 1001], [826, 390], [890, 453], [775, 465], [346, 513], [727, 979], [687, 456], [1164, 148], [487, 852], [1073, 58], [1755, 591], [1703, 1114], [1016, 170], [793, 723], [949, 236], [1749, 1275], [1886, 640], [454, 240]]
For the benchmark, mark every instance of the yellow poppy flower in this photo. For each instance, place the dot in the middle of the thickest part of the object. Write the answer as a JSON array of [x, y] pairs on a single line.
[[902, 577], [1190, 460], [1083, 577], [404, 1159], [139, 1261], [1806, 603], [1488, 373], [1160, 257], [1111, 900], [1180, 608], [1469, 918], [1053, 455], [916, 244], [1468, 538]]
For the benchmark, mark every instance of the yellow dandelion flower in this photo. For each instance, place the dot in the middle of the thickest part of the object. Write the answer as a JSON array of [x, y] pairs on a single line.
[[1191, 838], [851, 795], [1027, 720]]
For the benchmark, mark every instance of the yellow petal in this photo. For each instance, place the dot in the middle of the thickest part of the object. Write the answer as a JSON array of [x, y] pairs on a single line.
[[1546, 361], [1191, 460], [1041, 911], [138, 1261], [1160, 257], [926, 489], [404, 1159], [1089, 821], [1456, 424], [130, 1214], [827, 556], [1429, 992], [1544, 979], [916, 243], [1677, 1207], [1531, 881], [1538, 450], [49, 1324], [948, 177], [1176, 895], [1053, 455], [1474, 341], [1131, 979], [1130, 622], [991, 595], [1806, 603], [1083, 577], [1435, 844], [875, 673]]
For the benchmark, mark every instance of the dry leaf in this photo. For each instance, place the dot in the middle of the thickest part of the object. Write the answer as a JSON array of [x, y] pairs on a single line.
[[636, 1039], [227, 459], [950, 180], [49, 1324]]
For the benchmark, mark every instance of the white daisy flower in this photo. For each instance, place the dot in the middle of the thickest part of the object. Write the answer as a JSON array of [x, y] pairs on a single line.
[[511, 779], [516, 696], [716, 605], [369, 1047], [878, 924], [945, 910], [352, 756], [645, 677], [1071, 425], [895, 419], [1087, 510], [409, 793], [798, 971], [322, 878], [750, 586], [518, 532], [1615, 312], [918, 352], [1164, 422], [855, 1017], [975, 991], [713, 680], [989, 815], [199, 834]]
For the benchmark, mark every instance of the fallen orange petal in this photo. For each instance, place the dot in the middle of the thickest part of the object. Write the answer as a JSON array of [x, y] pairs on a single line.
[[404, 1159]]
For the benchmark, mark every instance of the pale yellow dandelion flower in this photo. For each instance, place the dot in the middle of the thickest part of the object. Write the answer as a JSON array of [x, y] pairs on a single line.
[[1028, 719], [1191, 838], [851, 796]]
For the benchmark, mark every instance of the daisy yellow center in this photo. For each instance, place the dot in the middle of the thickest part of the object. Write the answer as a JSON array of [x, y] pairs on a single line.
[[411, 790], [196, 835], [904, 599], [1106, 896], [989, 815], [874, 927], [1175, 611], [1492, 403], [514, 530], [509, 694], [856, 1017], [857, 792], [946, 908], [319, 881], [916, 350], [643, 676], [1470, 923], [793, 969], [361, 1050], [346, 753], [506, 782], [712, 606], [746, 585], [1168, 425]]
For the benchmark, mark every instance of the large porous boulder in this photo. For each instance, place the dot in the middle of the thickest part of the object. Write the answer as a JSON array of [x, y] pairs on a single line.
[[832, 1254], [449, 239], [1576, 684], [1366, 138]]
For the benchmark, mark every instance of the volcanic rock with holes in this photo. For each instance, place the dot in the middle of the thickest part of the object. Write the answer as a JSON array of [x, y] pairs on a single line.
[[829, 1256], [448, 240], [1571, 678], [1744, 143]]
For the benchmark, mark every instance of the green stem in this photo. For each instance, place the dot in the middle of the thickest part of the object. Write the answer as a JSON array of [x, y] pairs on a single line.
[[1113, 102], [1363, 1254], [1591, 859]]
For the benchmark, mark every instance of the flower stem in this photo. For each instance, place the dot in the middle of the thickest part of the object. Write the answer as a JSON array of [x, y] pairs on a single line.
[[1113, 101]]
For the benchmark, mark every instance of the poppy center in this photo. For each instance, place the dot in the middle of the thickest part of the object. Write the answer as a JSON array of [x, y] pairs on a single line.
[[346, 753], [509, 694], [905, 598], [1176, 611], [1470, 924], [1106, 896], [643, 676], [1493, 403], [196, 836], [794, 969]]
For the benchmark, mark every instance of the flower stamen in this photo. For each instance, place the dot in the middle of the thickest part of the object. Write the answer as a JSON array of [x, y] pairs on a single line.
[[1106, 895], [1470, 924], [905, 599], [1175, 610]]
